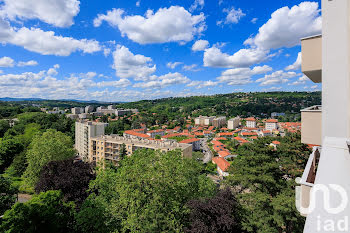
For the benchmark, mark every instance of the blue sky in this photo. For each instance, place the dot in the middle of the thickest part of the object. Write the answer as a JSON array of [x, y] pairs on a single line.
[[141, 49]]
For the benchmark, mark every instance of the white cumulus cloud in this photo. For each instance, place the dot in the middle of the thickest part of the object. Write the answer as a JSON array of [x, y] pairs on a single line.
[[287, 26], [197, 5], [59, 13], [172, 65], [233, 16], [163, 81], [27, 63], [276, 77], [214, 57], [129, 65], [200, 45], [166, 25], [45, 42], [6, 62], [296, 65], [241, 76]]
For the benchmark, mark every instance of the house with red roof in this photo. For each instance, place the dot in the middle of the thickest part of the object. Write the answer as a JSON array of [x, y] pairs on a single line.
[[222, 165], [154, 133], [274, 144], [271, 124], [225, 154], [250, 122], [134, 134]]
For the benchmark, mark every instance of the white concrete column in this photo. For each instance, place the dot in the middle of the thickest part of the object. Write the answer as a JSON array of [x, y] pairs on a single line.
[[336, 68]]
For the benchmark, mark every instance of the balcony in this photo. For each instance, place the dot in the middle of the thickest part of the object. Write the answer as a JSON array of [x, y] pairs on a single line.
[[307, 181], [311, 125], [311, 51]]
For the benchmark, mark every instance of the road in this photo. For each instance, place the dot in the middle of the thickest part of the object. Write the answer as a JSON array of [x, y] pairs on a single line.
[[208, 155]]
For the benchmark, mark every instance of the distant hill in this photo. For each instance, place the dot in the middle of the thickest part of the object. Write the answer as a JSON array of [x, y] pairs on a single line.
[[10, 99], [7, 99]]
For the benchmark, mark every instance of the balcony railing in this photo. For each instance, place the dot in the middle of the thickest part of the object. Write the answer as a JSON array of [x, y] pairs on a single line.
[[308, 179], [311, 125]]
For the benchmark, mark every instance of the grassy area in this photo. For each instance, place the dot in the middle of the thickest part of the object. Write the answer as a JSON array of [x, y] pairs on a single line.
[[197, 155]]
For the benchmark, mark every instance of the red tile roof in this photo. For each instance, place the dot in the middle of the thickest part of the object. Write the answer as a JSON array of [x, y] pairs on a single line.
[[271, 121], [224, 153], [133, 133], [222, 163], [190, 140], [276, 142], [250, 119], [230, 134]]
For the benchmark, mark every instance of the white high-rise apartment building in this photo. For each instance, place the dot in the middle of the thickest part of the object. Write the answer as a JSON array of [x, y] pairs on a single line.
[[84, 130], [233, 123]]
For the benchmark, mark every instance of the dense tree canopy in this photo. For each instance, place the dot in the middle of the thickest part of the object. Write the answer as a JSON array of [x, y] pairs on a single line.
[[8, 149], [50, 146], [44, 213], [263, 180], [71, 177], [149, 191], [218, 214], [8, 194]]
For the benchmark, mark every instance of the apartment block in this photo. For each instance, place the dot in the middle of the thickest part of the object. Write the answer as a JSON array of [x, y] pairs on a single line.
[[251, 122], [204, 120], [89, 109], [107, 147], [218, 122], [84, 130], [195, 142], [271, 124], [77, 110], [233, 123], [154, 133]]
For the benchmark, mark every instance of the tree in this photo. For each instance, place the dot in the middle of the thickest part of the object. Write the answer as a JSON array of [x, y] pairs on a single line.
[[8, 149], [8, 194], [256, 169], [122, 151], [150, 189], [50, 146], [214, 215], [46, 212], [4, 126], [93, 217], [72, 178]]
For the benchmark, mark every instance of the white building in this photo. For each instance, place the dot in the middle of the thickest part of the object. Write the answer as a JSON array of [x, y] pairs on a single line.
[[195, 142], [89, 109], [77, 110], [218, 122], [233, 123], [271, 124], [154, 133], [251, 122], [204, 120], [84, 130]]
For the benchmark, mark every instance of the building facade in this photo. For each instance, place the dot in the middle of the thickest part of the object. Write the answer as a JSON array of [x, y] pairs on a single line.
[[84, 130], [271, 124], [233, 123], [108, 147], [219, 122], [251, 122]]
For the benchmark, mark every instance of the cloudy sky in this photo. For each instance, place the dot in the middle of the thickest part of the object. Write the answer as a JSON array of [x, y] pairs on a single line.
[[127, 50]]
